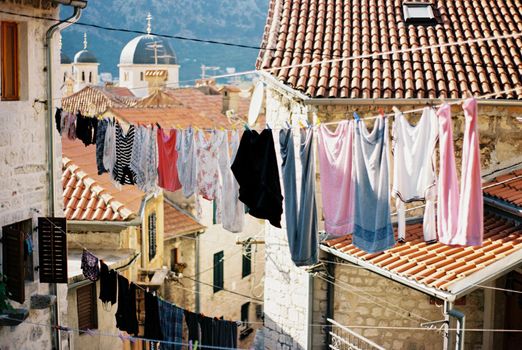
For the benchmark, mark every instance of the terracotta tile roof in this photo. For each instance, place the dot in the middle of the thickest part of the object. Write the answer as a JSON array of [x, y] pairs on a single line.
[[158, 99], [94, 100], [85, 199], [438, 265], [176, 222], [304, 31], [119, 90], [507, 188], [168, 117], [85, 158], [209, 105]]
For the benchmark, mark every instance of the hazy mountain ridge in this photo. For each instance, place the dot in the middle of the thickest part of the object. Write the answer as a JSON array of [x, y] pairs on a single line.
[[236, 21]]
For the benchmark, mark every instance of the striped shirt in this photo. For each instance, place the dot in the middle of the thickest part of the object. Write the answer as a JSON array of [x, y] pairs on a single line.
[[122, 172]]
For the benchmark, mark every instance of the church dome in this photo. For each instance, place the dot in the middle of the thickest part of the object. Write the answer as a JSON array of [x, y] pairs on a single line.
[[85, 56], [148, 49]]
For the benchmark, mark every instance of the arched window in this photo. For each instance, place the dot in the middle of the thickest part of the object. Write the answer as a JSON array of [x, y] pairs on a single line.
[[64, 77], [90, 77], [141, 76], [83, 76], [126, 76]]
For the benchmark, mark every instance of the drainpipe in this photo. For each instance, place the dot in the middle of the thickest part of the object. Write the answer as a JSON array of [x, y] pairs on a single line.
[[78, 6], [330, 292], [449, 312], [197, 306], [446, 342]]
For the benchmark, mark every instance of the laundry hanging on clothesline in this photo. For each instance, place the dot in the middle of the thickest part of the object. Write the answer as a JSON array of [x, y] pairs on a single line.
[[163, 320], [354, 170]]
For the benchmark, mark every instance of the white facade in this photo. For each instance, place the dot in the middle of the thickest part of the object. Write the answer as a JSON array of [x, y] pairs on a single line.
[[84, 74], [24, 179], [132, 76]]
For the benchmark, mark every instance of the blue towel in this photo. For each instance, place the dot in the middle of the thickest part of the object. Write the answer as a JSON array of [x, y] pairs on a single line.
[[171, 321], [373, 231], [301, 222]]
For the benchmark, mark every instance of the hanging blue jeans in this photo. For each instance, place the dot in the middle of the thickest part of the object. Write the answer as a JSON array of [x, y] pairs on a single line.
[[171, 321]]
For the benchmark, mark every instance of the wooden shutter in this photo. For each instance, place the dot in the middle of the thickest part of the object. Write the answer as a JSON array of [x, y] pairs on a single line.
[[52, 248], [13, 262], [86, 305], [218, 272], [10, 88], [247, 260]]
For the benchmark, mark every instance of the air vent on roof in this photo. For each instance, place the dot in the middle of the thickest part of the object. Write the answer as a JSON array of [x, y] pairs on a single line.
[[419, 13]]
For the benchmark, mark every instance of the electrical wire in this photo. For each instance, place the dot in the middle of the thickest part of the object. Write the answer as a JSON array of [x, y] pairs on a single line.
[[226, 290]]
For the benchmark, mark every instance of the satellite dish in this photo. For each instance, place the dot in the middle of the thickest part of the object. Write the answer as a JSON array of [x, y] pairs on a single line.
[[255, 103]]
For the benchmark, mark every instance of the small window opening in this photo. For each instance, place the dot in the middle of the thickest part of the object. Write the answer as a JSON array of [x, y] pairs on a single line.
[[419, 13]]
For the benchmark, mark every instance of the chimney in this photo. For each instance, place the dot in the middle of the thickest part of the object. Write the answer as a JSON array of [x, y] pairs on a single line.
[[156, 79], [230, 98]]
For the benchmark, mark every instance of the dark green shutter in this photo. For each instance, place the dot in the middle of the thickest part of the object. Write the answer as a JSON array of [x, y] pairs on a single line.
[[52, 249], [247, 260], [218, 272], [13, 262]]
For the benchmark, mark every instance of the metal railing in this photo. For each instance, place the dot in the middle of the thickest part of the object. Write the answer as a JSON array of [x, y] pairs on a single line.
[[343, 338]]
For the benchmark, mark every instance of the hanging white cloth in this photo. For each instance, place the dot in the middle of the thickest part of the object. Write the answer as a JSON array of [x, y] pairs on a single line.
[[414, 177]]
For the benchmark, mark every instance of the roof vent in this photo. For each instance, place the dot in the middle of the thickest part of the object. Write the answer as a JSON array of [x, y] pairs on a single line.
[[419, 13]]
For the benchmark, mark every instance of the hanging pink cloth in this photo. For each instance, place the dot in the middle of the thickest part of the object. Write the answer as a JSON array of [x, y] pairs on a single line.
[[459, 217], [167, 158], [471, 214], [337, 183]]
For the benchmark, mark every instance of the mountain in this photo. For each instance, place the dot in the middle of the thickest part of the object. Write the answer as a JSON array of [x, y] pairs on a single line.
[[235, 21]]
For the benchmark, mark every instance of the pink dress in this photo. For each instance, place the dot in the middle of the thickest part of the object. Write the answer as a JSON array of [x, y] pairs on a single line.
[[459, 216], [337, 183], [471, 216]]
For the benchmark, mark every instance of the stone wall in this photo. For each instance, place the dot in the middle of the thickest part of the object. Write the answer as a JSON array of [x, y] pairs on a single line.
[[23, 165], [363, 298]]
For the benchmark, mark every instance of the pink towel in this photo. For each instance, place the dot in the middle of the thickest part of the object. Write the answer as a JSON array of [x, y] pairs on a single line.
[[471, 216], [337, 181], [459, 217]]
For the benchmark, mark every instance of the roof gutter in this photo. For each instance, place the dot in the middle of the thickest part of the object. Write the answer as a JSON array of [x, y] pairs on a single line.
[[402, 280], [512, 209], [400, 101], [116, 224]]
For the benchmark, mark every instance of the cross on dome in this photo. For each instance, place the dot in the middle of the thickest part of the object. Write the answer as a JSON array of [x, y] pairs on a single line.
[[85, 41]]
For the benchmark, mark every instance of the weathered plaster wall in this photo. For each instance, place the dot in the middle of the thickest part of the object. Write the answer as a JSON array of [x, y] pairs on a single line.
[[363, 298], [23, 163], [154, 205]]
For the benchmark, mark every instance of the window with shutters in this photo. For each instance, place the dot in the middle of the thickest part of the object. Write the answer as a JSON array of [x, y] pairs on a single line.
[[87, 307], [152, 236], [10, 61], [247, 260], [17, 263], [52, 249], [245, 308], [218, 271]]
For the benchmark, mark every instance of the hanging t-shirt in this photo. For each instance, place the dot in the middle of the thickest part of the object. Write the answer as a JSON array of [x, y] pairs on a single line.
[[373, 231], [186, 164], [207, 164], [337, 179], [414, 177], [232, 209], [108, 284], [256, 171], [152, 318], [167, 160], [89, 265], [109, 147], [122, 172], [300, 212], [171, 322], [58, 120], [126, 317]]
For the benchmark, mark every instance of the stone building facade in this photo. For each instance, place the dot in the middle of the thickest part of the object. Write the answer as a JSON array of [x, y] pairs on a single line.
[[24, 176]]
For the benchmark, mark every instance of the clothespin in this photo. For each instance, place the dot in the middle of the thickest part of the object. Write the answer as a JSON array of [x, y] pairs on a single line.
[[190, 344], [158, 125], [288, 126], [196, 345], [90, 332], [356, 116]]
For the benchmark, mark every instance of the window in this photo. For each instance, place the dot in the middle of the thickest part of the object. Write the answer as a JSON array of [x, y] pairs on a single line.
[[245, 308], [83, 75], [86, 306], [152, 235], [418, 13], [247, 260], [141, 76], [125, 76], [52, 250], [9, 53], [218, 272], [90, 77], [17, 264], [173, 259]]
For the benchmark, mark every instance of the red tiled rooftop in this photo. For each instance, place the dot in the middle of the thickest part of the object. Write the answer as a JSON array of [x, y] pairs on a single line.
[[438, 265], [94, 100], [176, 222], [85, 159], [299, 32], [507, 188], [85, 199]]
